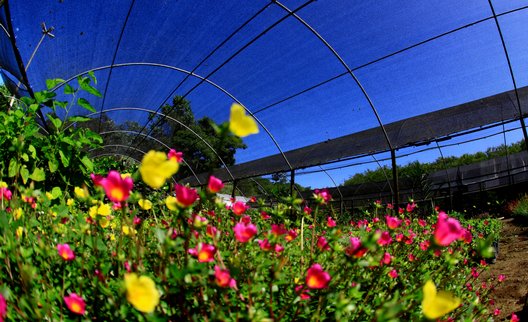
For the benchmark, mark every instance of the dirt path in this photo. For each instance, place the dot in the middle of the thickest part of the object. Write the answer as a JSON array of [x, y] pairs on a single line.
[[510, 295]]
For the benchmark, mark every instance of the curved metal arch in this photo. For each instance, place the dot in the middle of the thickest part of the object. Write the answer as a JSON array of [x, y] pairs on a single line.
[[350, 72], [158, 141], [114, 154], [203, 79], [172, 119], [384, 173], [510, 68]]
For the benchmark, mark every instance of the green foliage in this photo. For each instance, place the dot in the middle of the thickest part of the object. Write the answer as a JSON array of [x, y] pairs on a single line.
[[520, 207], [416, 171], [31, 153]]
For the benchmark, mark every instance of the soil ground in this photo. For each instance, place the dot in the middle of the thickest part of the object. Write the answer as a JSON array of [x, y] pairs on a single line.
[[512, 261]]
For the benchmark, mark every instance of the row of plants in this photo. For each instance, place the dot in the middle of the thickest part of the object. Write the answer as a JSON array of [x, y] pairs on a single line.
[[137, 247]]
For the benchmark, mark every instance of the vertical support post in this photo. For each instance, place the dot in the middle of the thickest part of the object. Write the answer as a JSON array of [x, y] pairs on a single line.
[[234, 189], [395, 180], [292, 182]]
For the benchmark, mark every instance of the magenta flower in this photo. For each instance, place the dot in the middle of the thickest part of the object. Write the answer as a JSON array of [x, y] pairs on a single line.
[[330, 222], [223, 278], [5, 193], [393, 222], [65, 252], [75, 303], [410, 207], [97, 179], [355, 249], [317, 278], [386, 259], [214, 185], [279, 248], [116, 188], [185, 196], [292, 234], [239, 208], [265, 245], [307, 210], [393, 273], [204, 252], [514, 318], [447, 230], [3, 307], [501, 278], [174, 155], [278, 230], [385, 239], [244, 232], [322, 196], [322, 243]]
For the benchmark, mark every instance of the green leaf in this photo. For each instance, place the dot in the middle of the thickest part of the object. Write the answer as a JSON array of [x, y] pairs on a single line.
[[55, 120], [68, 89], [87, 163], [56, 192], [51, 83], [65, 160], [38, 175], [92, 76], [79, 119], [84, 83], [25, 157], [24, 173], [53, 165], [13, 167], [85, 104], [33, 151]]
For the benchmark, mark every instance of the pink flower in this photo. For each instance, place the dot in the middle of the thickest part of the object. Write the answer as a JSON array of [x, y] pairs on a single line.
[[466, 236], [317, 278], [355, 249], [330, 222], [279, 248], [474, 272], [322, 196], [278, 230], [303, 293], [501, 278], [211, 231], [174, 155], [410, 207], [97, 179], [411, 257], [65, 252], [185, 196], [514, 318], [3, 307], [422, 222], [393, 222], [322, 243], [223, 278], [425, 245], [292, 234], [496, 312], [386, 259], [116, 188], [390, 206], [239, 208], [75, 303], [447, 230], [5, 193], [385, 239], [244, 232], [264, 245], [215, 184], [393, 273], [204, 252], [264, 215], [307, 210]]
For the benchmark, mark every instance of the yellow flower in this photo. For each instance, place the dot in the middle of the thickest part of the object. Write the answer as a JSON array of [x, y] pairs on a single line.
[[171, 203], [49, 196], [127, 230], [3, 184], [19, 231], [435, 305], [93, 211], [18, 213], [155, 168], [241, 124], [70, 202], [81, 193], [104, 210], [112, 237], [145, 204], [141, 292], [104, 222]]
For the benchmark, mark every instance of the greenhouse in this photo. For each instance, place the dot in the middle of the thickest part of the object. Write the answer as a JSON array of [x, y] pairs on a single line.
[[264, 160]]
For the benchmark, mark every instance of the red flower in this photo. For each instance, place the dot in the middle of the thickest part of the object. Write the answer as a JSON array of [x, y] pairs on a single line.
[[330, 222], [307, 210], [265, 245], [355, 249], [317, 278], [447, 230], [174, 155], [65, 252], [386, 259], [185, 196], [292, 234], [425, 245], [75, 303], [215, 184], [322, 243], [211, 231], [204, 252], [239, 208], [322, 196], [393, 222], [514, 318], [410, 207], [422, 222], [264, 215], [223, 278], [244, 232], [3, 307], [97, 179], [411, 257], [393, 273], [278, 230], [385, 239], [466, 236], [116, 188]]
